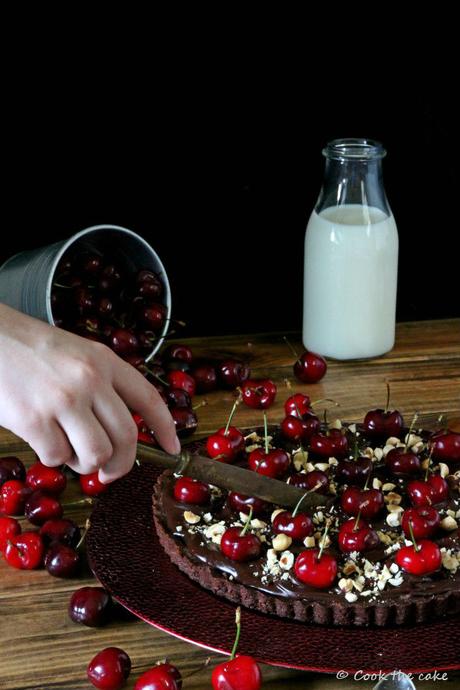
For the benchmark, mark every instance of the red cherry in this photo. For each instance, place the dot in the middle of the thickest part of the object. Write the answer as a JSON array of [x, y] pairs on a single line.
[[61, 560], [161, 677], [11, 468], [259, 393], [233, 373], [310, 367], [296, 526], [402, 463], [333, 443], [63, 531], [188, 490], [243, 504], [298, 430], [90, 484], [356, 535], [104, 306], [310, 481], [439, 488], [297, 405], [177, 365], [149, 285], [177, 397], [226, 444], [153, 316], [24, 551], [205, 378], [90, 606], [178, 352], [383, 423], [9, 527], [180, 379], [446, 447], [41, 507], [424, 493], [109, 669], [50, 479], [240, 673], [85, 300], [238, 546], [423, 520], [123, 342], [367, 501], [13, 495], [185, 420], [353, 471], [314, 571], [424, 560], [273, 464], [91, 263]]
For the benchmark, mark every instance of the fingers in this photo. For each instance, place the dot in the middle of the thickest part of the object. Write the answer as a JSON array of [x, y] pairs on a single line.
[[143, 398], [114, 416], [50, 443], [91, 444]]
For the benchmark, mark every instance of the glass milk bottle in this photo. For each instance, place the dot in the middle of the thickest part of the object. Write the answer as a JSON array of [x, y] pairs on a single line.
[[351, 257]]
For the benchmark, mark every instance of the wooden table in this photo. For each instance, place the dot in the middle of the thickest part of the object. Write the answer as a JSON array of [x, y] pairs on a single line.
[[42, 649]]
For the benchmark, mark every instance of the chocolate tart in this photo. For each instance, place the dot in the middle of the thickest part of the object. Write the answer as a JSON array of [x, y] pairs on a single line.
[[271, 586]]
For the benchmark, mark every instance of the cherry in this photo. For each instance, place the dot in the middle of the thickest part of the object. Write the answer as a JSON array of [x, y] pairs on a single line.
[[333, 443], [85, 300], [422, 559], [353, 471], [228, 442], [24, 551], [90, 484], [149, 284], [177, 365], [259, 393], [238, 672], [446, 447], [41, 507], [61, 560], [50, 479], [297, 405], [153, 316], [383, 423], [13, 495], [205, 378], [435, 489], [90, 606], [315, 568], [296, 525], [368, 502], [161, 677], [9, 527], [104, 306], [185, 420], [123, 342], [309, 367], [188, 490], [298, 430], [146, 340], [178, 352], [109, 669], [274, 463], [91, 263], [316, 480], [11, 468], [402, 462], [242, 503], [357, 535], [423, 520], [233, 373], [180, 379], [177, 397], [62, 530], [239, 546]]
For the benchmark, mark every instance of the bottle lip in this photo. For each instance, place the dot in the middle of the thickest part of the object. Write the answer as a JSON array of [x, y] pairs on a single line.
[[355, 149]]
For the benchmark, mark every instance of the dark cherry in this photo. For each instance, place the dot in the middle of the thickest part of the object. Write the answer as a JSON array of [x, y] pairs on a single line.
[[296, 526], [24, 551], [353, 471], [50, 479], [274, 464], [259, 393], [61, 560], [149, 285], [332, 443], [109, 669], [62, 530], [232, 373], [310, 367], [9, 527], [383, 423], [180, 379], [298, 430], [310, 480], [424, 559], [90, 606], [243, 504], [85, 300], [297, 405], [446, 447], [146, 340], [314, 571], [240, 673], [153, 316], [205, 378], [357, 535], [163, 676], [238, 546], [91, 263], [104, 306], [11, 468], [182, 352], [177, 397], [13, 495], [41, 507], [123, 342], [225, 444], [424, 493], [423, 520], [368, 502], [402, 462], [185, 420], [177, 365], [90, 484], [188, 490]]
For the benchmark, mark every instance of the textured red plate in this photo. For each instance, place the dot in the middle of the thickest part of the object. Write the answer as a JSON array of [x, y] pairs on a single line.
[[127, 559]]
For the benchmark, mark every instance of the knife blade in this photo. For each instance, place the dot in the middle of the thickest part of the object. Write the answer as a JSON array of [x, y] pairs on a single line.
[[232, 478]]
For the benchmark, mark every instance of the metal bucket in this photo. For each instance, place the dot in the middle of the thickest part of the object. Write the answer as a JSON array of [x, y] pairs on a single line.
[[26, 279]]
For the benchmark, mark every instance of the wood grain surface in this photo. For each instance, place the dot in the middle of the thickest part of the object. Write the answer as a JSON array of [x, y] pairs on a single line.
[[41, 649]]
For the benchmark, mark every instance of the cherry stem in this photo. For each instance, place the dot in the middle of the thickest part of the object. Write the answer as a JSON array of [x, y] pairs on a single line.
[[200, 404], [88, 500], [294, 512], [412, 536], [287, 383], [266, 433], [83, 536], [155, 376], [233, 410], [292, 349], [202, 666], [429, 461], [387, 405], [411, 428], [358, 518], [323, 540], [238, 632], [367, 481], [321, 400], [247, 523]]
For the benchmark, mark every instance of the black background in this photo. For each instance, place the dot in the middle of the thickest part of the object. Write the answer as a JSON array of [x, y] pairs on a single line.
[[220, 176]]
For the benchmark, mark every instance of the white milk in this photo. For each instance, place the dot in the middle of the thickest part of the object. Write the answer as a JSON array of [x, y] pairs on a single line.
[[351, 260]]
